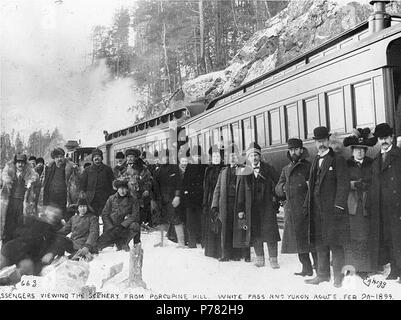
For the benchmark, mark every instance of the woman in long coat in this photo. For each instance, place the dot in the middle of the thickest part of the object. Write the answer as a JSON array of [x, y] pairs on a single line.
[[211, 227], [360, 169], [293, 187]]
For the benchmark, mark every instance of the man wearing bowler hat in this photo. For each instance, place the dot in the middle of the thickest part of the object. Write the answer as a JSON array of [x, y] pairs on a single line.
[[385, 203], [326, 208], [292, 186]]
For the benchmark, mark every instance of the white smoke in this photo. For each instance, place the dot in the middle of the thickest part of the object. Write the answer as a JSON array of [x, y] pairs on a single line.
[[45, 79]]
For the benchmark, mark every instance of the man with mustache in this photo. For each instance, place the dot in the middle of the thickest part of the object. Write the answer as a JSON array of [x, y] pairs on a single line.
[[293, 186], [55, 182], [97, 182], [326, 208], [385, 203]]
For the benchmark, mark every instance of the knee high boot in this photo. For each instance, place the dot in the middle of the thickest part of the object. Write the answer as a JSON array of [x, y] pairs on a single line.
[[179, 230]]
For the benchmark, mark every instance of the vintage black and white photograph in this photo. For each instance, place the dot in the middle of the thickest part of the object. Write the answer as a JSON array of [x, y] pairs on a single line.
[[225, 150]]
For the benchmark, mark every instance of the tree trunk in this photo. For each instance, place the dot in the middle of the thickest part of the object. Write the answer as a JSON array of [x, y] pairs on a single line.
[[165, 47], [202, 38], [217, 33]]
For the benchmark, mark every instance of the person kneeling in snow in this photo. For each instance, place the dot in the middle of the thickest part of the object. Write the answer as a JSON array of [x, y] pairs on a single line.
[[29, 249], [120, 219], [84, 229]]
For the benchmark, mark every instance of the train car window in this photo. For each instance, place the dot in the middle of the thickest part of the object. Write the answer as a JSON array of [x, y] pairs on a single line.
[[292, 121], [274, 125], [311, 116], [235, 135], [216, 136], [224, 135], [363, 105], [206, 136], [260, 130], [246, 132], [335, 111]]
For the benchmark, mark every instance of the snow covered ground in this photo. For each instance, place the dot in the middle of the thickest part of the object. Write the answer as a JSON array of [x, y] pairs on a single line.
[[175, 273]]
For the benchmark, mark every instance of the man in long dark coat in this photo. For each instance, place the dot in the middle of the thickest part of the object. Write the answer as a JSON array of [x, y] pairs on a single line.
[[223, 205], [97, 182], [256, 219], [192, 192], [326, 207], [385, 203], [293, 187], [55, 181]]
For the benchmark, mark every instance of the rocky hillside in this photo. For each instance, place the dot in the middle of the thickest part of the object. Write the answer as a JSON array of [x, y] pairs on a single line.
[[303, 25]]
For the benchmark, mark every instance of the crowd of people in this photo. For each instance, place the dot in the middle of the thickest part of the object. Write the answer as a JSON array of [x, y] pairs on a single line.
[[336, 212]]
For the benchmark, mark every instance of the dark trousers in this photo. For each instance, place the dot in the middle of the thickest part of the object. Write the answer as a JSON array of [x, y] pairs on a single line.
[[323, 258], [271, 247], [118, 235], [194, 225], [14, 218], [59, 201], [304, 258], [98, 205]]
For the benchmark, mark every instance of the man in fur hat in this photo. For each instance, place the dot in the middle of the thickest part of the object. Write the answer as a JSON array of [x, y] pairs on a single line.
[[18, 183], [293, 186], [97, 182], [326, 208], [139, 179], [256, 219], [56, 177], [385, 203], [120, 159], [121, 219]]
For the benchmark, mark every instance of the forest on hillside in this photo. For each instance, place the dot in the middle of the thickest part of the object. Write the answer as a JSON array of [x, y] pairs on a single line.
[[161, 44]]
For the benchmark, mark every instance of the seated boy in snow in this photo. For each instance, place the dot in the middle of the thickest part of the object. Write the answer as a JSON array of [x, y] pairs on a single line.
[[84, 229], [29, 250], [120, 219]]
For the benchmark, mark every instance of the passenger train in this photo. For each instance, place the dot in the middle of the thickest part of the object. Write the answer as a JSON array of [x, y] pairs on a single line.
[[352, 80]]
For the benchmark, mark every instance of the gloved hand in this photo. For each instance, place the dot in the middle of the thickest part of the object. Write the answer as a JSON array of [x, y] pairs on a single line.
[[82, 252], [176, 202], [338, 211]]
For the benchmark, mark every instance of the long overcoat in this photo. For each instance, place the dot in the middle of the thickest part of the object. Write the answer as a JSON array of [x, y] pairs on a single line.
[[220, 197], [333, 190], [293, 186], [390, 175], [93, 174], [244, 203], [8, 176]]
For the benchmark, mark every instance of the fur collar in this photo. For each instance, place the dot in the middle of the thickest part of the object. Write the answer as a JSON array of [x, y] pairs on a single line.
[[9, 173]]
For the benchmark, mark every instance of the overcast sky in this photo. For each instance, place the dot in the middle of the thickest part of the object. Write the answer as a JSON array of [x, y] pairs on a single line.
[[45, 47]]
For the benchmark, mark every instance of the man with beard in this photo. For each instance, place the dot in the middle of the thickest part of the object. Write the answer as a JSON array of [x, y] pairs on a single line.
[[192, 187], [293, 186], [120, 159], [139, 181], [40, 166], [18, 178], [55, 182], [97, 182], [327, 210], [385, 204]]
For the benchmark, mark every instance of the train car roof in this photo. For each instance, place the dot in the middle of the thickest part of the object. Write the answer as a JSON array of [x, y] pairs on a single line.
[[193, 108], [302, 58]]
